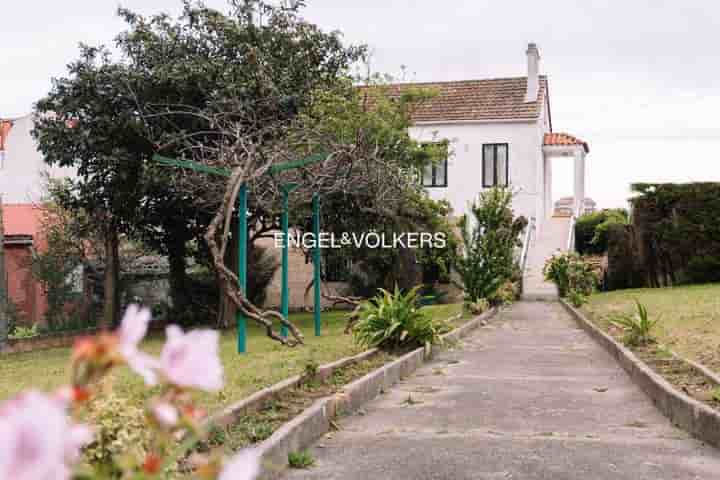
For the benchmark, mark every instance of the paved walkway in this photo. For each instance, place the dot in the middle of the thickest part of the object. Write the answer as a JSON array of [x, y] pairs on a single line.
[[530, 396], [551, 238]]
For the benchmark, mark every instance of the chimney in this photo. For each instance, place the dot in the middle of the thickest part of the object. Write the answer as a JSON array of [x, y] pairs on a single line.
[[533, 67]]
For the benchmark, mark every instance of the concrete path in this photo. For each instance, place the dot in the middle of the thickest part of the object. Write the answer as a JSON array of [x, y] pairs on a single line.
[[530, 396], [549, 240]]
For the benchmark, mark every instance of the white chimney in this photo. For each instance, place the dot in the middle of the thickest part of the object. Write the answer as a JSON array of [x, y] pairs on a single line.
[[533, 66]]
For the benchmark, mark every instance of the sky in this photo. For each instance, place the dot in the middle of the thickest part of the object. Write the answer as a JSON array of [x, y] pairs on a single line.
[[636, 79]]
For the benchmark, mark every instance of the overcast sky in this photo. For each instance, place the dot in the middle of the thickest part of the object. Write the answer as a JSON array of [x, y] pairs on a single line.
[[637, 79]]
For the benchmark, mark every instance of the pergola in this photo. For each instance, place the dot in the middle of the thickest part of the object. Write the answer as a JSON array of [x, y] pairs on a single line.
[[565, 145]]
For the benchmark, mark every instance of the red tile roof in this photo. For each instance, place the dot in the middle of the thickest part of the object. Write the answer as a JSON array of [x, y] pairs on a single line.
[[476, 100], [560, 139], [5, 126]]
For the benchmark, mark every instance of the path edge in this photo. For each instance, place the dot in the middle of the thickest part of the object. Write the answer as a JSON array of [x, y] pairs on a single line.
[[685, 412], [303, 430]]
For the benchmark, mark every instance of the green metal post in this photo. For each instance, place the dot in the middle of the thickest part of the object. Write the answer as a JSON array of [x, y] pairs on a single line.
[[242, 265], [316, 259], [285, 293]]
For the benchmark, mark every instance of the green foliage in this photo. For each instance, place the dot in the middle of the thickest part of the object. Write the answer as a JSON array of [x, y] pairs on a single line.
[[395, 320], [591, 230], [703, 269], [506, 294], [121, 429], [571, 274], [636, 327], [303, 459], [673, 225], [488, 261], [577, 299], [23, 332]]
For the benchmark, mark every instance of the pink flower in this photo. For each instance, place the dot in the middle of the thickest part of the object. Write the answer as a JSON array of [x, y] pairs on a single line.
[[191, 359], [244, 466], [133, 329], [38, 440], [166, 414]]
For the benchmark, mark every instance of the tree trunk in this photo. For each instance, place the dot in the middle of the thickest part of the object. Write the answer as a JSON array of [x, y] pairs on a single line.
[[179, 282], [226, 308], [111, 304]]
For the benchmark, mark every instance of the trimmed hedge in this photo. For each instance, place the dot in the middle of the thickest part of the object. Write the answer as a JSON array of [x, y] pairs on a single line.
[[591, 230], [674, 238]]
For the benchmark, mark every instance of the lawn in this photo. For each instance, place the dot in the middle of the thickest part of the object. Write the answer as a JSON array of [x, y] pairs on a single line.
[[266, 362], [689, 317]]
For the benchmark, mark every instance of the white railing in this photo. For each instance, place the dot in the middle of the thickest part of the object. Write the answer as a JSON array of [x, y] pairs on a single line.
[[526, 244], [570, 247]]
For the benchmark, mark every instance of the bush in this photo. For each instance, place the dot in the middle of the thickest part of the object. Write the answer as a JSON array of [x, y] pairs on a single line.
[[121, 429], [703, 269], [23, 332], [571, 274], [585, 232], [395, 320], [489, 247]]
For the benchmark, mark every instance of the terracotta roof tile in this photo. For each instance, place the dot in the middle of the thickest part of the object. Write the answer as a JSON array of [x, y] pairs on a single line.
[[476, 100], [560, 139]]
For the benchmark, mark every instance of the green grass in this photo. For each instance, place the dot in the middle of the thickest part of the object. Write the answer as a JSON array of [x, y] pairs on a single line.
[[689, 317], [266, 362]]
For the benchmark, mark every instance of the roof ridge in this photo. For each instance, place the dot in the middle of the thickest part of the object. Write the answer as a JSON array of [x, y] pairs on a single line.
[[449, 82]]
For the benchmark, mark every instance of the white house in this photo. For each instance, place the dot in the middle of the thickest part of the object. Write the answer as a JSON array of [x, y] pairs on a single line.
[[500, 133]]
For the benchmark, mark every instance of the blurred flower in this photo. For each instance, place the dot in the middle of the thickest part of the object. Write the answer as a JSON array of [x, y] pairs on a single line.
[[133, 328], [244, 466], [191, 360], [37, 438], [166, 414]]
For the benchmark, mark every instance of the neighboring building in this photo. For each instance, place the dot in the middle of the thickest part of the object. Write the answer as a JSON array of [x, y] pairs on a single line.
[[22, 175], [500, 133], [564, 207]]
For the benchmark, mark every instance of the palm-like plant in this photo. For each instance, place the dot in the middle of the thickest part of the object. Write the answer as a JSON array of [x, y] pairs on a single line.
[[637, 327], [395, 320]]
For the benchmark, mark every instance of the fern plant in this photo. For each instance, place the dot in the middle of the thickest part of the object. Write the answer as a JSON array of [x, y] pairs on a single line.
[[395, 320], [637, 328]]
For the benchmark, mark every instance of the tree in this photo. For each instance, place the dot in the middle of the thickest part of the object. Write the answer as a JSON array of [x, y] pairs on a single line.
[[89, 121]]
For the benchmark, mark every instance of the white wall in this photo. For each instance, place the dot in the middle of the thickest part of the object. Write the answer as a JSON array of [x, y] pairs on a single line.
[[465, 165], [21, 173]]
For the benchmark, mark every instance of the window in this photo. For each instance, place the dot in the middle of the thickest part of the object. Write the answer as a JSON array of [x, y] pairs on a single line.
[[435, 174], [495, 165], [335, 266]]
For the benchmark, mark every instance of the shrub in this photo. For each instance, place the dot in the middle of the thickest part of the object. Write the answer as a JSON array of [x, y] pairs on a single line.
[[488, 260], [570, 273], [120, 429], [703, 269], [395, 320], [577, 299], [23, 332], [591, 230], [637, 327], [505, 294], [302, 459]]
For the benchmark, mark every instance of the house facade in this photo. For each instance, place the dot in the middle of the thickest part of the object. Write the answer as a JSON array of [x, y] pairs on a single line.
[[499, 133], [22, 177]]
